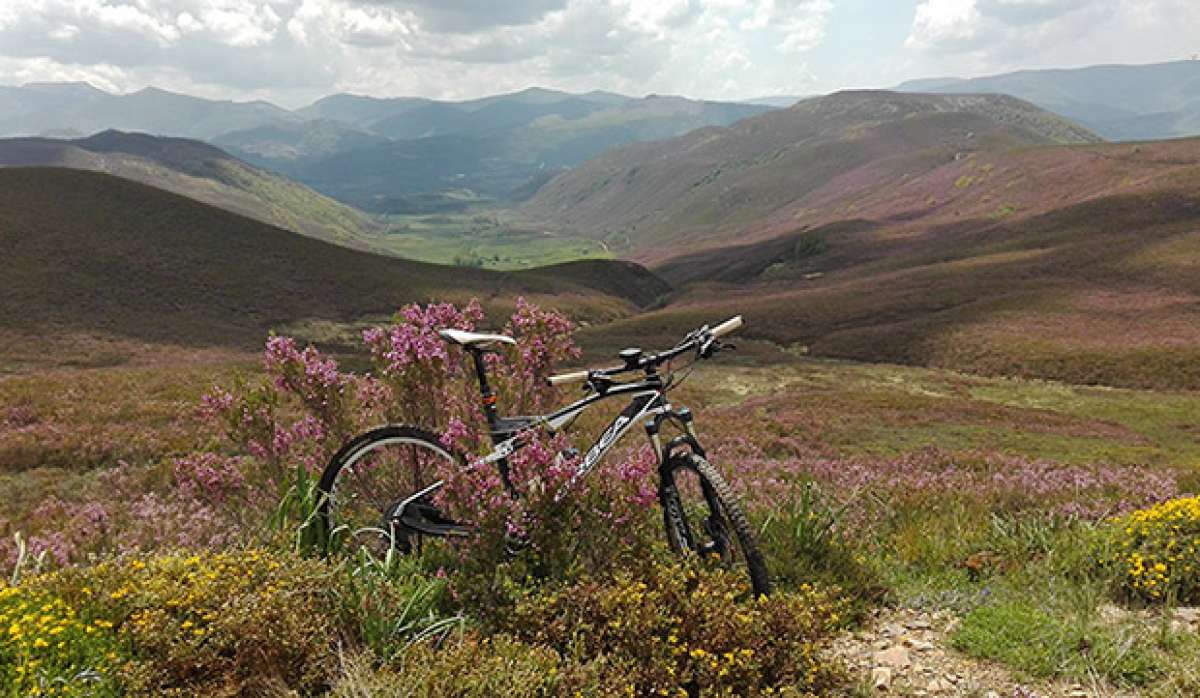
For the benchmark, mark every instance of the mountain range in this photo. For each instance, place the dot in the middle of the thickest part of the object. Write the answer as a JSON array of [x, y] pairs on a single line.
[[402, 155], [1119, 102], [977, 232]]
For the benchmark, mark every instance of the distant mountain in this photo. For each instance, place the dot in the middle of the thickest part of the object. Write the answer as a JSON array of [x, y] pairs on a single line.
[[87, 252], [779, 101], [391, 155], [359, 111], [1119, 102], [283, 142], [200, 171], [39, 108], [494, 147], [713, 186]]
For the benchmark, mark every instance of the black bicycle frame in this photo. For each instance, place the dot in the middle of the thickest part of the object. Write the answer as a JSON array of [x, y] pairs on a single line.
[[649, 400]]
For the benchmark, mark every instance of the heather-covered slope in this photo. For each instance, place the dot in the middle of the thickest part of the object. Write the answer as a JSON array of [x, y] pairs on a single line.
[[91, 253], [1074, 262], [710, 187], [202, 172]]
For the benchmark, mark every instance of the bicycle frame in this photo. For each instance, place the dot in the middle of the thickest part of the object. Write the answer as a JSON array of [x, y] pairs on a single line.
[[649, 399]]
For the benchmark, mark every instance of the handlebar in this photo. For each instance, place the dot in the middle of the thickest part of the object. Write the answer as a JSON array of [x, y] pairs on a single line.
[[731, 325], [564, 378], [702, 339]]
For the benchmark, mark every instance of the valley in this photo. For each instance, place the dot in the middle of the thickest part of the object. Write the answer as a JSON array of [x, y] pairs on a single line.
[[962, 415]]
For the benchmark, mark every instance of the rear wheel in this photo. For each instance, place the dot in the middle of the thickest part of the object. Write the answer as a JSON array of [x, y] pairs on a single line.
[[372, 476], [703, 518]]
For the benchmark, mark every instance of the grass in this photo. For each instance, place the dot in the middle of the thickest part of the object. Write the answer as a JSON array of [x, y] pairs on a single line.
[[481, 239], [1046, 644]]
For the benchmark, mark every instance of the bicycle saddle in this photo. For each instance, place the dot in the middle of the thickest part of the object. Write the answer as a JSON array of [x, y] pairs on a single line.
[[473, 339]]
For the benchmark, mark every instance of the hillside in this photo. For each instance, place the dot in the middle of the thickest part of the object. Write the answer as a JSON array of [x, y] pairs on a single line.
[[1119, 102], [713, 185], [202, 172], [91, 253], [1077, 263]]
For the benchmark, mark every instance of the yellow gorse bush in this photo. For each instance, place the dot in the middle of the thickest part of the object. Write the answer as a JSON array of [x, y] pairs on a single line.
[[48, 649], [1155, 551], [670, 631], [211, 623]]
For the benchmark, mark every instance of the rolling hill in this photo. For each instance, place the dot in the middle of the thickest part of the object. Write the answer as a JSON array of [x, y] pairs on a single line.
[[90, 253], [652, 201], [980, 235], [1119, 102], [202, 172], [1070, 262]]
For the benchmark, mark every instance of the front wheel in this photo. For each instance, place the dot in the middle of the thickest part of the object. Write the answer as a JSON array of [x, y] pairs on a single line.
[[703, 517]]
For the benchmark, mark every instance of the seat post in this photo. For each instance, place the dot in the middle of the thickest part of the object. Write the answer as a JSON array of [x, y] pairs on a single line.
[[489, 411], [485, 390]]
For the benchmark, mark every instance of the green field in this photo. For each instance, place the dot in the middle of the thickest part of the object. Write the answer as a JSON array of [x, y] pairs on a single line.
[[481, 239]]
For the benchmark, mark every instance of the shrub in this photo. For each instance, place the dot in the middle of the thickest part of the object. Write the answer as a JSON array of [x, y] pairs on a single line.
[[211, 623], [390, 604], [477, 667], [291, 422], [805, 542], [672, 630], [48, 648], [1155, 552]]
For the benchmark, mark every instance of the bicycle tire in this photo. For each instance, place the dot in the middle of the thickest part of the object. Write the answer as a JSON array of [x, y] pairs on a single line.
[[719, 497], [356, 449]]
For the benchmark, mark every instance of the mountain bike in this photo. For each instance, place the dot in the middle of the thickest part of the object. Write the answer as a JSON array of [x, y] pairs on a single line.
[[381, 483]]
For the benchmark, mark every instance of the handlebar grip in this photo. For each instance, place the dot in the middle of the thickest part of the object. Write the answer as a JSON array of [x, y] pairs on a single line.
[[564, 378], [726, 327]]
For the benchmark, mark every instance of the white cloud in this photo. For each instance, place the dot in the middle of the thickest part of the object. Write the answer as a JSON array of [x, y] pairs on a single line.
[[64, 32], [293, 50], [944, 21], [971, 37]]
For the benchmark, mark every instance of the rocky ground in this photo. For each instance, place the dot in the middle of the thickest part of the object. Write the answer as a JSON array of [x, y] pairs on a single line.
[[906, 652]]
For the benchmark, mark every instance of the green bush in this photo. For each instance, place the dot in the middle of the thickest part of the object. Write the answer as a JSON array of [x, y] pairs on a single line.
[[805, 544], [389, 604]]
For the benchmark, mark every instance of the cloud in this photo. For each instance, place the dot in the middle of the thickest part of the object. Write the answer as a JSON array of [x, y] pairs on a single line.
[[452, 16], [973, 37], [295, 50], [945, 22]]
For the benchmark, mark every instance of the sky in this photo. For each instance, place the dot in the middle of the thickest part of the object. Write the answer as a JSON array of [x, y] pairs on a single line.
[[294, 51]]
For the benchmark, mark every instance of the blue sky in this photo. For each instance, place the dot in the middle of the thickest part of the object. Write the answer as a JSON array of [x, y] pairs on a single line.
[[293, 51]]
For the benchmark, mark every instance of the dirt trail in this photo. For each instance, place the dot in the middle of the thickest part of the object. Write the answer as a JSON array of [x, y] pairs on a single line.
[[907, 652]]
